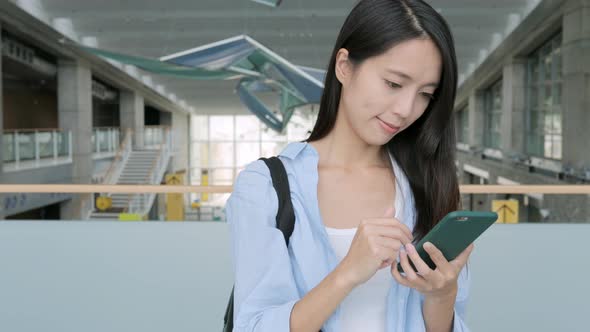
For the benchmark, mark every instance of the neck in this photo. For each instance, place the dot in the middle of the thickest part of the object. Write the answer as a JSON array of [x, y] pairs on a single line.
[[343, 148]]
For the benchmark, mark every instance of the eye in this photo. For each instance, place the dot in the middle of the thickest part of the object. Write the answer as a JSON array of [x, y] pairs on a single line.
[[392, 84], [428, 95]]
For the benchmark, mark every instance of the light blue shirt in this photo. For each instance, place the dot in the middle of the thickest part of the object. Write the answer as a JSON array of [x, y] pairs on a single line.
[[270, 278]]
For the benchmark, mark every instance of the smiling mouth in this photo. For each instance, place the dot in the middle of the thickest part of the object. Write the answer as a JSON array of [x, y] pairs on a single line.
[[389, 125]]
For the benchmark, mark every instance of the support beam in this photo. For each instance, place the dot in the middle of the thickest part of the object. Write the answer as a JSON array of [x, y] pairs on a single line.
[[513, 107], [576, 83], [74, 84], [132, 116], [475, 109]]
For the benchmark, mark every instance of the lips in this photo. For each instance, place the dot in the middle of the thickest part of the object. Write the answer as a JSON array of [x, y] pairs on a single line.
[[389, 126]]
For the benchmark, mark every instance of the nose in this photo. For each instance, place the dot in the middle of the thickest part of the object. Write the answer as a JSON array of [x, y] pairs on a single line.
[[404, 103]]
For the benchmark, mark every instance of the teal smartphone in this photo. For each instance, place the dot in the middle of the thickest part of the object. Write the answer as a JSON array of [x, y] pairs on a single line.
[[453, 234]]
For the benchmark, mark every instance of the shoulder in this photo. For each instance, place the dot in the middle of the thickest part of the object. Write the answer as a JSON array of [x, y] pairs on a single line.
[[299, 159], [257, 170], [254, 179], [253, 199]]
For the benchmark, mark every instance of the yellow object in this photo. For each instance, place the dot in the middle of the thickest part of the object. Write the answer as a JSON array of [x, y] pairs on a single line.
[[507, 210], [174, 201], [204, 182], [131, 217], [174, 179], [195, 205], [104, 202]]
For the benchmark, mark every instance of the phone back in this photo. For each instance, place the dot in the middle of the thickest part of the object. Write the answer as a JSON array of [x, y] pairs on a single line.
[[455, 232]]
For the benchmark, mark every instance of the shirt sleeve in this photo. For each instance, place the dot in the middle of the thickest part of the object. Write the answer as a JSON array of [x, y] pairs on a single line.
[[265, 290], [464, 285]]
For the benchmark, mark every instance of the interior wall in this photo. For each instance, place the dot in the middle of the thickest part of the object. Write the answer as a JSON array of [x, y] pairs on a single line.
[[26, 108]]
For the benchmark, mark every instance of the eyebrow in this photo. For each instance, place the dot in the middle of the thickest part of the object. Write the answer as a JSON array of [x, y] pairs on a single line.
[[408, 77]]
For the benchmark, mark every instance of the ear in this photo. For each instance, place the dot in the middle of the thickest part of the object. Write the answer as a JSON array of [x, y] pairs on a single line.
[[343, 68]]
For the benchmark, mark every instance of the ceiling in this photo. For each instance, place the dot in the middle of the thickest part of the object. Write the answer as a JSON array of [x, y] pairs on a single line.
[[302, 31]]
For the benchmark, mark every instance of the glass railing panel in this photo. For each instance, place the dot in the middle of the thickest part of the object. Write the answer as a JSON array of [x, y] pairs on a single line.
[[63, 143], [26, 145], [116, 139], [9, 151], [103, 140], [45, 143]]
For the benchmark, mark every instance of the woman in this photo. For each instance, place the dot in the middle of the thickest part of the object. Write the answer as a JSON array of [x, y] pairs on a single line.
[[375, 176]]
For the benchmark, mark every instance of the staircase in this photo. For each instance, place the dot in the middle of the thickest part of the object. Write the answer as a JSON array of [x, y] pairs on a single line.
[[138, 167], [136, 171], [135, 167]]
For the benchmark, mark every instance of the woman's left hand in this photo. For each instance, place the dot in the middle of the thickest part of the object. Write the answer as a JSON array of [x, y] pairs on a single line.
[[440, 282]]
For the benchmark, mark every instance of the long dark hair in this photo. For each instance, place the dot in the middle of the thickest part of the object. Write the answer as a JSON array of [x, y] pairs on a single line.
[[425, 150]]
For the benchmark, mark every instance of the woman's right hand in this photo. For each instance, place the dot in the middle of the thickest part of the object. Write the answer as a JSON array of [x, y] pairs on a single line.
[[375, 245]]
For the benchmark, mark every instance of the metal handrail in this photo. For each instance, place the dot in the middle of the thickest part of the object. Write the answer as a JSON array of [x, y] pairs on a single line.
[[152, 130], [34, 129], [36, 157], [124, 147], [111, 133], [138, 201], [87, 205]]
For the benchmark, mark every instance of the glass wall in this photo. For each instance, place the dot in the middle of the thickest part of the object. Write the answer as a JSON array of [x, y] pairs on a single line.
[[544, 91], [222, 145], [493, 116]]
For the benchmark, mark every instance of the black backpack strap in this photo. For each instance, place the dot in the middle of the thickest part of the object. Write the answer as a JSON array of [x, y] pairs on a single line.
[[228, 318], [285, 214], [285, 219]]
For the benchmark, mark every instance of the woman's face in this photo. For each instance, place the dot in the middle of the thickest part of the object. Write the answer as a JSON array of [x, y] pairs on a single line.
[[389, 90]]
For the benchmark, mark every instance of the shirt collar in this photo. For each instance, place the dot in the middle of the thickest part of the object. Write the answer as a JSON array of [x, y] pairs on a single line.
[[293, 149]]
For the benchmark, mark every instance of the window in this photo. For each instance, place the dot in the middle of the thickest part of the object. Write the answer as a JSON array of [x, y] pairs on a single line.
[[221, 128], [200, 127], [543, 100], [493, 116], [247, 128], [222, 145]]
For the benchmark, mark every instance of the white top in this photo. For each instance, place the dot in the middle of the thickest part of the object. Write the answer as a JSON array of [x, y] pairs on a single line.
[[365, 307]]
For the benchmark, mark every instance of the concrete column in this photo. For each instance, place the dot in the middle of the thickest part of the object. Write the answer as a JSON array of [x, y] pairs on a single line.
[[476, 119], [513, 107], [180, 141], [74, 91], [132, 116], [576, 83], [1, 129]]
